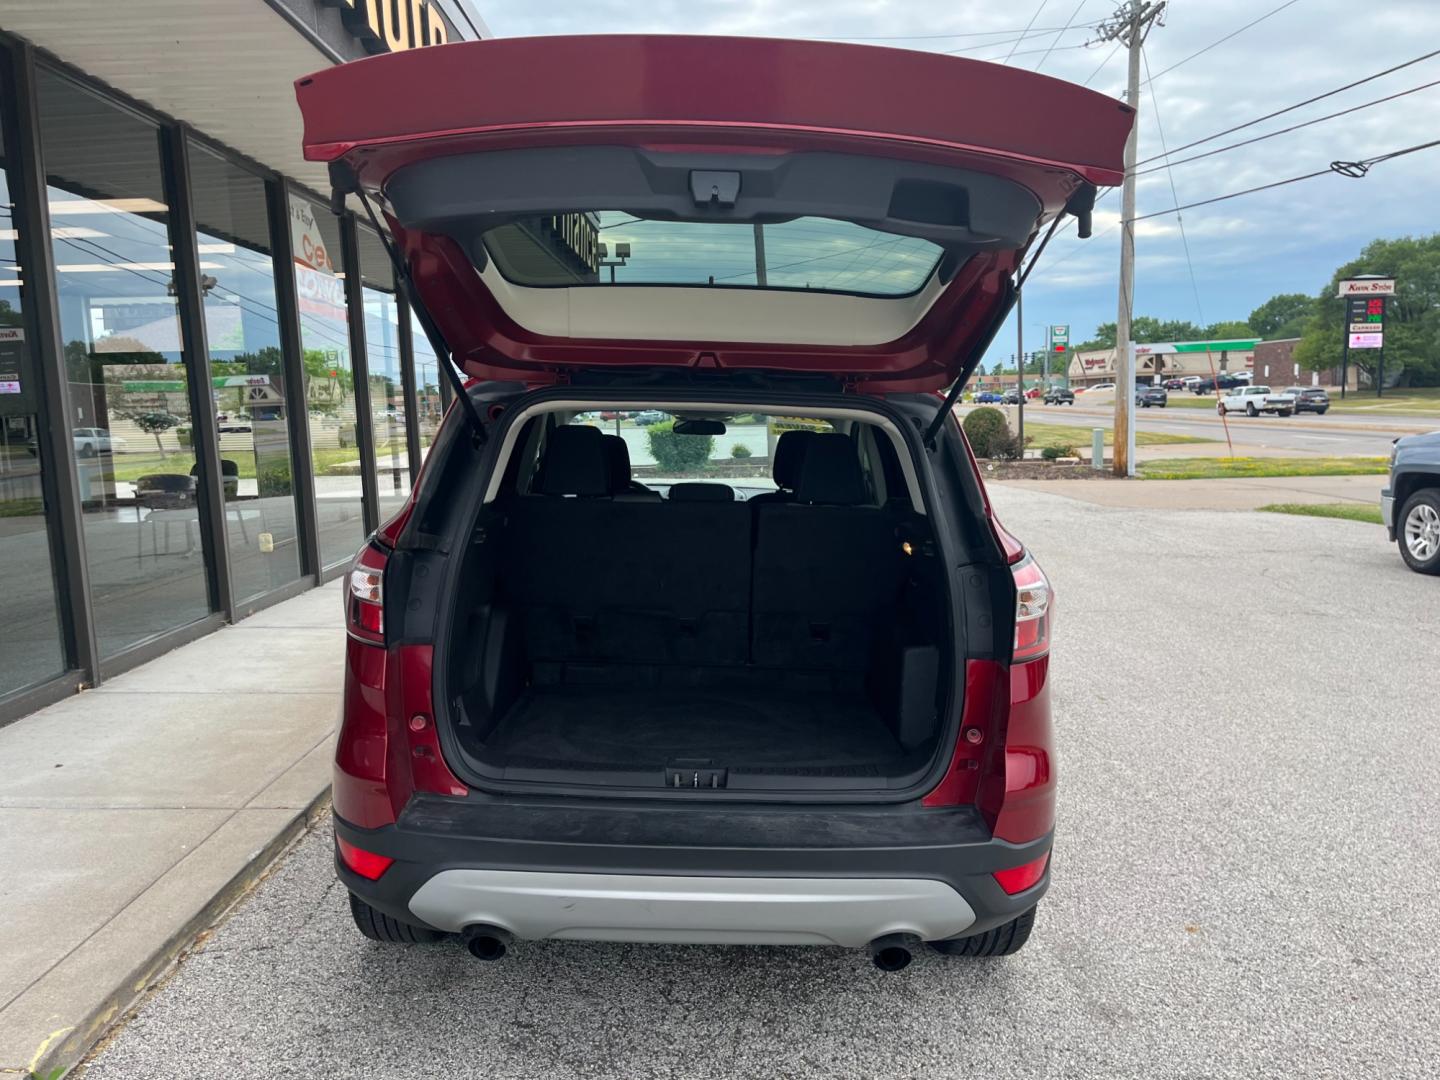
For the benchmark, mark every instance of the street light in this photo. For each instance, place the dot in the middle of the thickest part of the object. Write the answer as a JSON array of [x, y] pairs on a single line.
[[622, 256]]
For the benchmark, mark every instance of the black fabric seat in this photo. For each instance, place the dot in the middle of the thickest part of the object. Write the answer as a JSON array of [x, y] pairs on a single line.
[[789, 458], [622, 482], [693, 491], [827, 571]]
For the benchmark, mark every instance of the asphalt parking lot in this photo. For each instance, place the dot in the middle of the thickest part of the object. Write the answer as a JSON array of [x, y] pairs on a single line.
[[1245, 876]]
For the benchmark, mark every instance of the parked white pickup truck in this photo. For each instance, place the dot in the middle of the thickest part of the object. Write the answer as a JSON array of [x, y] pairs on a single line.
[[1253, 400]]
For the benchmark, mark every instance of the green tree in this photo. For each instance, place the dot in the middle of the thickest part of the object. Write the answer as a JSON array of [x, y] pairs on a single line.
[[1282, 316], [676, 453], [1227, 331], [151, 422], [1412, 315]]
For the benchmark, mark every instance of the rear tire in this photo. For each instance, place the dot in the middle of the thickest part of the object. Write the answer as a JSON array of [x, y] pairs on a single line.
[[1220, 409], [1322, 412], [1250, 410], [1284, 412], [1002, 941], [377, 926]]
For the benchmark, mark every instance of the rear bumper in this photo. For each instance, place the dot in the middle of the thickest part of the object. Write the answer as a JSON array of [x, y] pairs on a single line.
[[783, 875]]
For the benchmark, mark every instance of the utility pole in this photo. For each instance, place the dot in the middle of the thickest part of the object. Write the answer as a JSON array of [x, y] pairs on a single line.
[[1129, 24]]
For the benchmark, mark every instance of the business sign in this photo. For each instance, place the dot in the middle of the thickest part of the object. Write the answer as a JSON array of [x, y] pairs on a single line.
[[1367, 341], [1059, 338], [393, 25], [318, 287], [1366, 287]]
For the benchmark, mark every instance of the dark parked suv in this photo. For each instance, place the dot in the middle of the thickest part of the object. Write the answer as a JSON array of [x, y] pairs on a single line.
[[606, 681], [1309, 399], [1151, 395], [1059, 395]]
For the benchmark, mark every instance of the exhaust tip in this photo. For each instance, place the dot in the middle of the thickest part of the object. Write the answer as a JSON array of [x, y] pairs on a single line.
[[488, 943], [893, 952]]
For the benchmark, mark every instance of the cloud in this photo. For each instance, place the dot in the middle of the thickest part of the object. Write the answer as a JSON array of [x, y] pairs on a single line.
[[1243, 250]]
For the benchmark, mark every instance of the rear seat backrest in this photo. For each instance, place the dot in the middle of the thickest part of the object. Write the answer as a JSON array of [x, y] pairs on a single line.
[[789, 460], [827, 567], [573, 463]]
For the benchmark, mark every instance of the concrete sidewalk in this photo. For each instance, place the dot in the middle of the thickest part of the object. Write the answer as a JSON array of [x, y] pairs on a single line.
[[1237, 493], [132, 815]]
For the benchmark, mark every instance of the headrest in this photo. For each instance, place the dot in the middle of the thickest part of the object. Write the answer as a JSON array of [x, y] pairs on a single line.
[[575, 463], [831, 474], [617, 460], [698, 492], [789, 457]]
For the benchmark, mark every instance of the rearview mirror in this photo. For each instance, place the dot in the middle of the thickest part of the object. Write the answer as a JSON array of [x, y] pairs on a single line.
[[699, 427]]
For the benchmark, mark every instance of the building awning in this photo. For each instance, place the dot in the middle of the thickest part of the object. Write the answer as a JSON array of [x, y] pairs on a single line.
[[225, 67]]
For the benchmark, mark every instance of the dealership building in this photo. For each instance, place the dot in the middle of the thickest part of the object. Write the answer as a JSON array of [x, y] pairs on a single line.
[[210, 391]]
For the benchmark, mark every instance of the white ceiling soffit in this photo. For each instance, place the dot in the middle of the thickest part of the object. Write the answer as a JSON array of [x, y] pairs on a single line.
[[226, 67]]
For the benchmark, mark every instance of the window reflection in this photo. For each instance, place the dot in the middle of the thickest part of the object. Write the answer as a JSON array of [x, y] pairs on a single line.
[[127, 369], [387, 394], [242, 329], [30, 649], [329, 380], [429, 405]]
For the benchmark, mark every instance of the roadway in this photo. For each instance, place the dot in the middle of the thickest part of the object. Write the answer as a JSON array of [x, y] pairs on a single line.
[[1337, 434]]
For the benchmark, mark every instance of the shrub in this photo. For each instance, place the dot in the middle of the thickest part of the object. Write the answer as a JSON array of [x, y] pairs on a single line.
[[1052, 453], [740, 450], [678, 453], [273, 480], [988, 432]]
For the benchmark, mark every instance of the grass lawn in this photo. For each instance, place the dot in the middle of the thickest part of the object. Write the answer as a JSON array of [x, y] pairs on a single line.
[[1344, 511], [1077, 437], [1220, 468], [328, 460]]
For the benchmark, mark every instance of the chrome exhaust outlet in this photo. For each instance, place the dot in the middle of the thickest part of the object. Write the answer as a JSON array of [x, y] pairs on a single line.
[[488, 943], [893, 952]]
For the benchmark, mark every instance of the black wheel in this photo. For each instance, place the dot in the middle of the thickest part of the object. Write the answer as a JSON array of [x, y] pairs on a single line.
[[1284, 412], [1322, 412], [1250, 410], [1002, 941], [1220, 408], [86, 451], [1417, 530], [378, 926]]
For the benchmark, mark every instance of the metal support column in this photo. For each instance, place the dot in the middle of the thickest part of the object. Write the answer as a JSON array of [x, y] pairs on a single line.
[[59, 475], [360, 371], [205, 436], [302, 462]]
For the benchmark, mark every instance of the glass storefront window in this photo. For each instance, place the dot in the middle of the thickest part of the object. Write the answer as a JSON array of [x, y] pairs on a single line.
[[329, 395], [242, 329], [429, 405], [125, 362], [30, 650], [387, 393]]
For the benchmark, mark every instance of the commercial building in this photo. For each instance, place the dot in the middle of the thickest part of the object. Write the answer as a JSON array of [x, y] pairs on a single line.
[[1275, 364], [1164, 360], [210, 391]]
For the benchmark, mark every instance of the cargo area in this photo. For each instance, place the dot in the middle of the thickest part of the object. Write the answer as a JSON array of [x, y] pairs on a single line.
[[774, 632]]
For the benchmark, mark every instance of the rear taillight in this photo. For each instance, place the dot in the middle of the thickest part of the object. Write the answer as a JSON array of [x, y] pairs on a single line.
[[1019, 878], [365, 596], [1032, 610], [365, 863]]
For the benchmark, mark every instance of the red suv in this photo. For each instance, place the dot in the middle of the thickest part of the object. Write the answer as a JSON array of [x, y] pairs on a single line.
[[766, 669]]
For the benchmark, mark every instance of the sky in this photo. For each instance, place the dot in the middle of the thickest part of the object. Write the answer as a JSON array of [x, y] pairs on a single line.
[[1244, 250]]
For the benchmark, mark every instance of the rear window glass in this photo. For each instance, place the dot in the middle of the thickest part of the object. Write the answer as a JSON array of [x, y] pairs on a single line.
[[611, 247], [741, 454]]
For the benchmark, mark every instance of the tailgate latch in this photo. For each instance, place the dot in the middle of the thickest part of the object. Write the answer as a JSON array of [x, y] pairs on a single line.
[[713, 187], [694, 773]]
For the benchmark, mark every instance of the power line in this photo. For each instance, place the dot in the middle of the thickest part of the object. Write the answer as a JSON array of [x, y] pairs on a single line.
[[1061, 34], [1027, 30], [1286, 131], [1297, 105], [1180, 220], [941, 37], [1100, 66], [1353, 169], [1227, 37]]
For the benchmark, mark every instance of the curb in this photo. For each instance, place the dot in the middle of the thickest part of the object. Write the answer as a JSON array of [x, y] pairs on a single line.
[[55, 1059]]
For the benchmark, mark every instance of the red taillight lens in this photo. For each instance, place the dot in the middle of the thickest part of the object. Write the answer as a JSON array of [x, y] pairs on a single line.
[[1033, 599], [1019, 878], [366, 863], [365, 595]]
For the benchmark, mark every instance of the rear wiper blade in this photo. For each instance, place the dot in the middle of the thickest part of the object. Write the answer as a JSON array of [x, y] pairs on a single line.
[[417, 306]]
